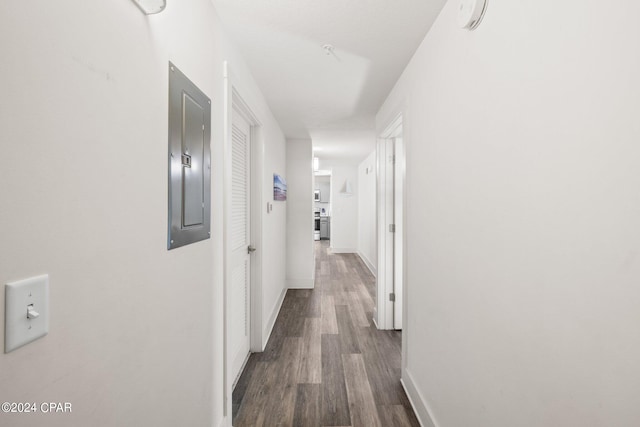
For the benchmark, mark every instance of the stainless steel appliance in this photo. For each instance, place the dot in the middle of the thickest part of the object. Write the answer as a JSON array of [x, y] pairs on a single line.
[[316, 226], [325, 226]]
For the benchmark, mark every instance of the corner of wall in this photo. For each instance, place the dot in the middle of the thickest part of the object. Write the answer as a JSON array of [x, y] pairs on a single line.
[[271, 321], [372, 268], [300, 283], [225, 422], [418, 403], [300, 262]]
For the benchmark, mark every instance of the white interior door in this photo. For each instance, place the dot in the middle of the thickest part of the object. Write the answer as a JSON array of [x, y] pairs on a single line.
[[389, 232], [398, 244], [240, 240], [390, 202]]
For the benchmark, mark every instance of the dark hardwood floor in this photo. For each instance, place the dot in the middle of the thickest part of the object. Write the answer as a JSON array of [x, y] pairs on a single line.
[[326, 364]]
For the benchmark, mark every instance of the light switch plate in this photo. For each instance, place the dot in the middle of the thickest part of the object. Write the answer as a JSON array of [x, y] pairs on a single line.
[[19, 329]]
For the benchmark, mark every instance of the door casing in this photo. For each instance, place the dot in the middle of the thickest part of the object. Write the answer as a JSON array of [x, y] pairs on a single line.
[[390, 210], [234, 100]]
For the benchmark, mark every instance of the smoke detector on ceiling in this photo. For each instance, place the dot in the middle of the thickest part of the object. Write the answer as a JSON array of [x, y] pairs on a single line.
[[471, 12]]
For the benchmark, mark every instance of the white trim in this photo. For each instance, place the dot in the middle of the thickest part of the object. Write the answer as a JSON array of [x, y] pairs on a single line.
[[369, 264], [385, 209], [300, 283], [384, 278], [244, 364], [399, 207], [224, 422], [271, 322], [343, 250], [242, 107], [226, 203], [233, 100], [406, 137], [257, 167], [393, 129], [418, 402]]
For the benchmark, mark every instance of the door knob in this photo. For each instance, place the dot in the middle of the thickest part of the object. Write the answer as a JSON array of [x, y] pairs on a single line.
[[250, 249]]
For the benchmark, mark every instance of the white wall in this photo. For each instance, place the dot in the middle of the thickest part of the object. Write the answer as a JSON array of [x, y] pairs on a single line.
[[136, 331], [300, 248], [344, 208], [274, 224], [367, 231], [523, 233]]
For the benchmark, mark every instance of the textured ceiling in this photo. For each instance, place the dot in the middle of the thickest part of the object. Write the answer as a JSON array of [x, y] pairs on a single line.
[[312, 93]]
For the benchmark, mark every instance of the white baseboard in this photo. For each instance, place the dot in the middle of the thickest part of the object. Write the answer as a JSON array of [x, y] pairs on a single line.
[[266, 333], [300, 283], [343, 251], [369, 265], [419, 404]]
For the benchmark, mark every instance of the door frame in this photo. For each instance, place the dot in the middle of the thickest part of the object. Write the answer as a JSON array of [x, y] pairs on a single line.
[[384, 312], [234, 100]]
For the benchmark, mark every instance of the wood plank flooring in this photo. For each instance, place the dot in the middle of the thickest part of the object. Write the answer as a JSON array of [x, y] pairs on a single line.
[[326, 364]]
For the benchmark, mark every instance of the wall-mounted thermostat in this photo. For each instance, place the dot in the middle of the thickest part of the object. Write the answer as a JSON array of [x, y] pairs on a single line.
[[471, 12]]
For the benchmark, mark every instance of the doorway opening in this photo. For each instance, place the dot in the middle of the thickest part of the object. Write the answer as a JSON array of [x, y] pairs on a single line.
[[322, 205], [391, 236]]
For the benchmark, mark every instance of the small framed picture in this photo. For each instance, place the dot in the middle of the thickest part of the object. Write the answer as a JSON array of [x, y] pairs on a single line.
[[279, 188]]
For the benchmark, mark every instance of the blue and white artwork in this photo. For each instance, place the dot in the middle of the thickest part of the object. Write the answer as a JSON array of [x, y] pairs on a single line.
[[279, 188]]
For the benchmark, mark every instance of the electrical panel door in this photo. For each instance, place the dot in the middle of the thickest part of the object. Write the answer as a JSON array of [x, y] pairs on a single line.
[[189, 161]]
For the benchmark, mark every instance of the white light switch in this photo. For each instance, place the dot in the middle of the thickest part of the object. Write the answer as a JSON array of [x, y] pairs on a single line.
[[26, 311]]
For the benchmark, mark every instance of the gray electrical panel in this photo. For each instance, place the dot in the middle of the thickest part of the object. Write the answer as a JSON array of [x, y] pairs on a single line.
[[189, 161]]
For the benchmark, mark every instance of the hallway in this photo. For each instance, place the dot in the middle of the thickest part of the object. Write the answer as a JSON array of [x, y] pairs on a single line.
[[326, 364]]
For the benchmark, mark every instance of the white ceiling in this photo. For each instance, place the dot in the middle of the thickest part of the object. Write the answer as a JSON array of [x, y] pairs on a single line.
[[316, 95]]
